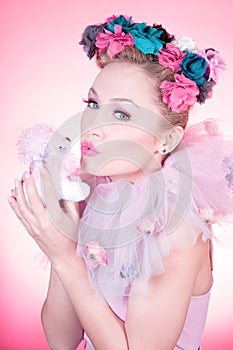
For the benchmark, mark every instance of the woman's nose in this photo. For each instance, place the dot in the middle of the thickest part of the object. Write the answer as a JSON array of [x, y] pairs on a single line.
[[93, 135], [96, 134]]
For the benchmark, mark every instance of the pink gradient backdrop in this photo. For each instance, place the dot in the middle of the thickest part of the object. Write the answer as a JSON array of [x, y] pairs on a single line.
[[44, 75]]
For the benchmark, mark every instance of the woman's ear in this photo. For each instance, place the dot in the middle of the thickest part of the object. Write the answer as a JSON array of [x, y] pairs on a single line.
[[173, 138], [176, 136]]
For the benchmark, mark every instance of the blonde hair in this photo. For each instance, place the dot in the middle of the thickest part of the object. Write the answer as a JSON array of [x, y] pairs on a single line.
[[155, 72]]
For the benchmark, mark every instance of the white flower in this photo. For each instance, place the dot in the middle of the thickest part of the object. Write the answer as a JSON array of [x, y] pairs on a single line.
[[185, 43]]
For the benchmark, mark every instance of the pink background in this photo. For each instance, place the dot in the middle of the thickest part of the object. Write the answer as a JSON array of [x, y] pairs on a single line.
[[44, 75]]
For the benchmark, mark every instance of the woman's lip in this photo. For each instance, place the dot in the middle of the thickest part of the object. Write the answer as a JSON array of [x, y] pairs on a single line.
[[87, 144], [88, 152], [88, 149]]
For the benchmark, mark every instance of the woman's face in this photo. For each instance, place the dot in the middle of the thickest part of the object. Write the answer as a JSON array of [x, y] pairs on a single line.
[[121, 127]]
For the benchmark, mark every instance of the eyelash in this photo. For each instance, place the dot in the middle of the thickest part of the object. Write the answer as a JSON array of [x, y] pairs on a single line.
[[126, 114]]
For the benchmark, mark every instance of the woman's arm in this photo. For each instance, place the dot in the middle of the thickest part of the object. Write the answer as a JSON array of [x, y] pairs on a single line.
[[155, 322], [61, 325], [55, 231], [102, 326]]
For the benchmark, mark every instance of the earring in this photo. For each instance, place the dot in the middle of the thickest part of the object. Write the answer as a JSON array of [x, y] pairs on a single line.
[[164, 151]]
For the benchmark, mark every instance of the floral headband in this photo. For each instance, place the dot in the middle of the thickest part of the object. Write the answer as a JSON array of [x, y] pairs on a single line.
[[195, 71]]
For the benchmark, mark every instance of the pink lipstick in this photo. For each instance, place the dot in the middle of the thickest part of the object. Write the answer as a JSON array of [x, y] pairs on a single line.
[[88, 149]]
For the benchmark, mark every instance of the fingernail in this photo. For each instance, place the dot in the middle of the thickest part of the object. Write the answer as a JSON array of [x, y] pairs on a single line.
[[26, 175], [16, 182]]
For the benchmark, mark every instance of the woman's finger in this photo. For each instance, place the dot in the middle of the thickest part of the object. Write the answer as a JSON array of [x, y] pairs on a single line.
[[33, 196], [13, 203], [53, 208], [22, 204]]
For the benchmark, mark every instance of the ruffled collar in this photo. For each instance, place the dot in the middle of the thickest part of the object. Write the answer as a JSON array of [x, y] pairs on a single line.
[[127, 229]]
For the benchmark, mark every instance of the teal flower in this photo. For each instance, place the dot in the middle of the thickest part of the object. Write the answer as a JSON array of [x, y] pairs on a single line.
[[124, 21], [194, 67], [146, 38]]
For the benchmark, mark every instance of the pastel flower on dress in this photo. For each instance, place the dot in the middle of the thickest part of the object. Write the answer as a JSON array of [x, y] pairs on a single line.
[[185, 43], [114, 42], [171, 57], [146, 225], [194, 67], [227, 164], [209, 215], [181, 94], [229, 176], [128, 272], [227, 160], [215, 64], [96, 255]]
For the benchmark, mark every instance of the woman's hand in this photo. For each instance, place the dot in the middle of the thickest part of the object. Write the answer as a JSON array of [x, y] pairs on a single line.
[[55, 232], [53, 228]]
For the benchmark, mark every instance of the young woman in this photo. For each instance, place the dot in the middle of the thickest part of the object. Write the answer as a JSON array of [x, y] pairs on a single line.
[[133, 269]]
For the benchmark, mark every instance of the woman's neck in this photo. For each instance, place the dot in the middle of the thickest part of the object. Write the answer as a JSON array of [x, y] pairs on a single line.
[[132, 177]]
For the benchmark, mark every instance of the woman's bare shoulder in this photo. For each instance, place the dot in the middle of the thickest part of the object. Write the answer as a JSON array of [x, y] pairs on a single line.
[[196, 254]]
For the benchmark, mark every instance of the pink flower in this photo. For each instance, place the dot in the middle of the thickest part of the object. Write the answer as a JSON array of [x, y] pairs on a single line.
[[171, 56], [96, 254], [115, 42], [216, 63], [209, 215], [111, 18], [179, 94], [146, 225]]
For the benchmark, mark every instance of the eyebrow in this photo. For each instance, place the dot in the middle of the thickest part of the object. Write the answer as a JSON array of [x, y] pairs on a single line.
[[119, 99]]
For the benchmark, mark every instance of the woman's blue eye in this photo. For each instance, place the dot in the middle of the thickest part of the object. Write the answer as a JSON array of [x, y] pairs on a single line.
[[118, 114], [122, 116], [90, 102]]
